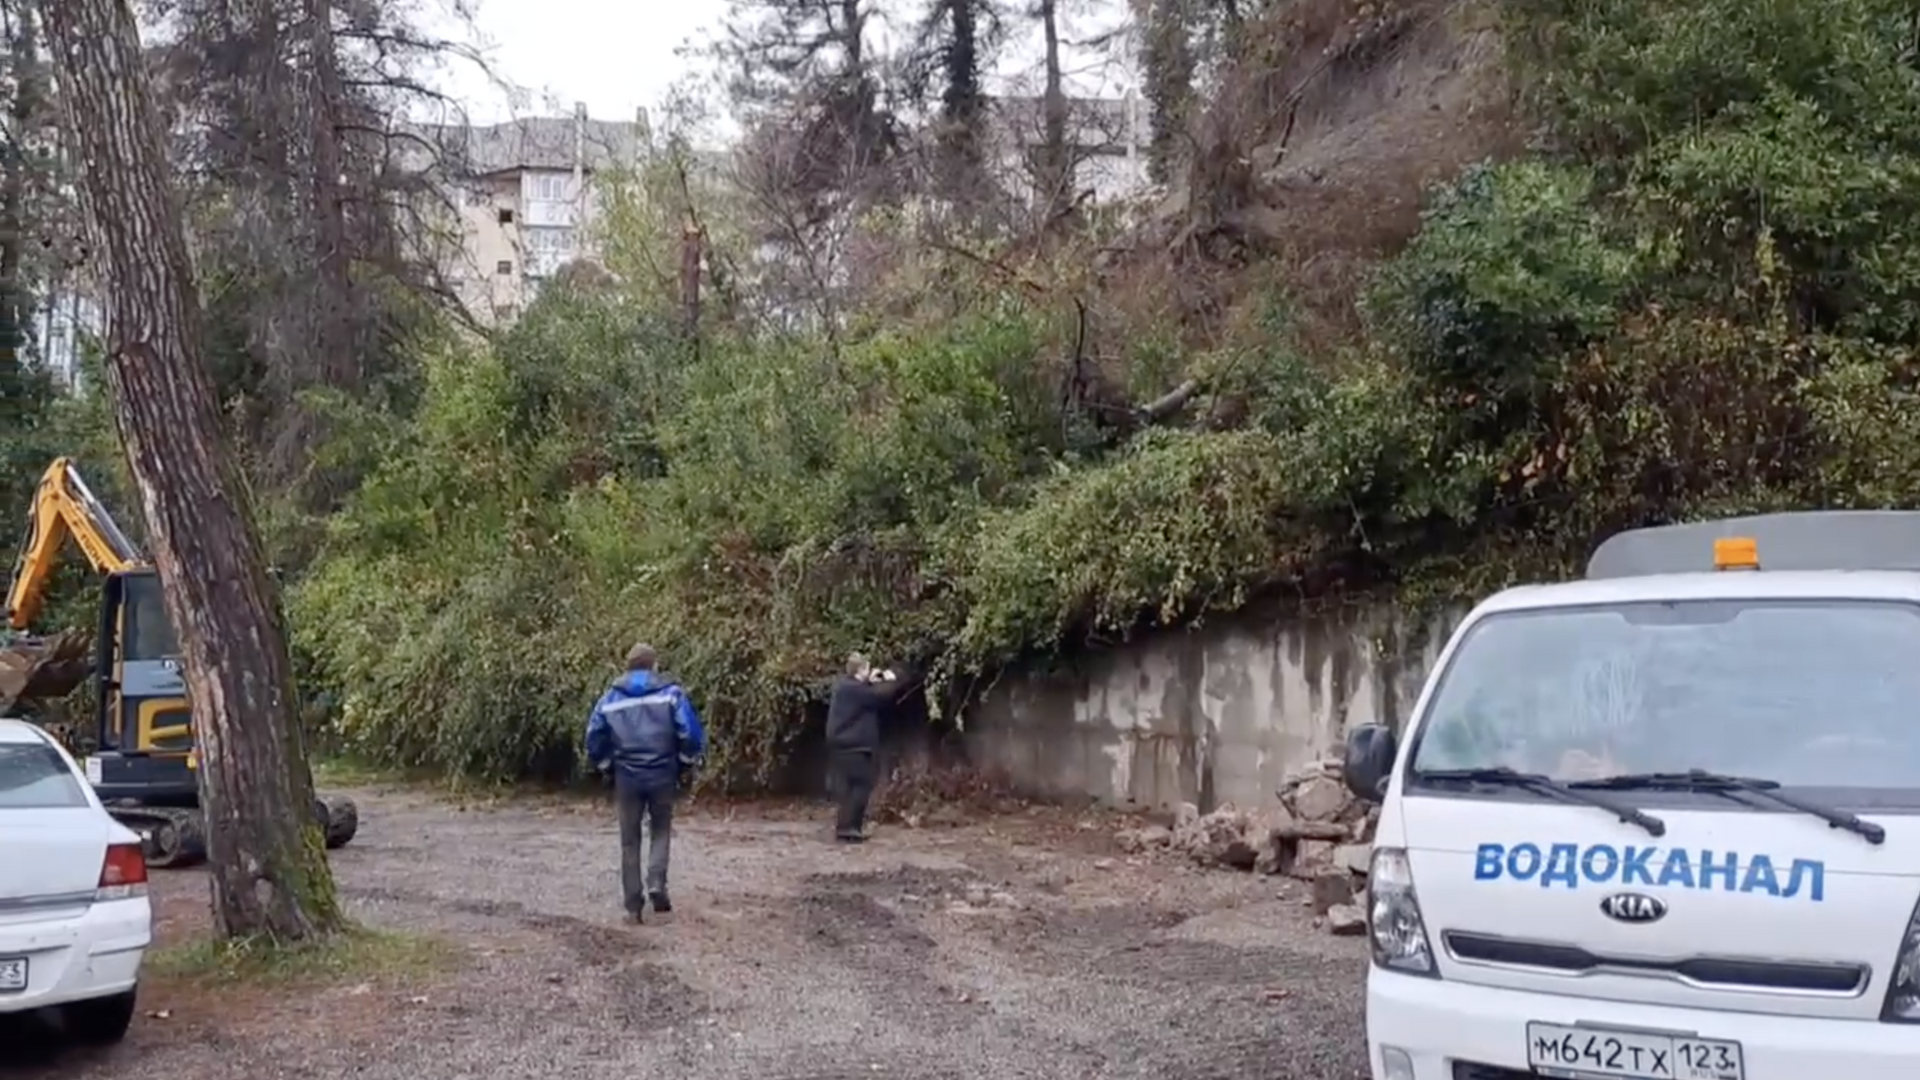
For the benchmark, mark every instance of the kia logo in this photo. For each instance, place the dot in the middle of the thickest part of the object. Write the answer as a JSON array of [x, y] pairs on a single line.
[[1633, 907]]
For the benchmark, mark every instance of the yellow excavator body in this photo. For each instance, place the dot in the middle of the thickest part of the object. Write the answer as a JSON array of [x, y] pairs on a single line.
[[141, 759]]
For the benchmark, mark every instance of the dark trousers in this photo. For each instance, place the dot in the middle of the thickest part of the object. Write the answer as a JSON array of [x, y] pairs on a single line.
[[646, 841], [853, 783]]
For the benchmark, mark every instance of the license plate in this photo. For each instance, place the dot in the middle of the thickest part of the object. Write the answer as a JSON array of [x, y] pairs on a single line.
[[1583, 1052], [93, 771], [13, 974]]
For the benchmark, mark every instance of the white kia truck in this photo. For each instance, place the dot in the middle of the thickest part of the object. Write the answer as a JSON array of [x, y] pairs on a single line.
[[1662, 823]]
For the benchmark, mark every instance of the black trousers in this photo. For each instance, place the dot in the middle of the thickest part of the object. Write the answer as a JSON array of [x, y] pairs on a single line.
[[646, 841], [853, 783]]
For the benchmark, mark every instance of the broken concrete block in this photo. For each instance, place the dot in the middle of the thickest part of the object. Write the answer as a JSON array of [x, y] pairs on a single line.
[[1345, 920], [1321, 798], [1330, 890], [1353, 858], [1310, 858], [1312, 830]]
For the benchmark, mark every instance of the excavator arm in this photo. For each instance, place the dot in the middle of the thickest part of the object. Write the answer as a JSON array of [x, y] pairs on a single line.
[[63, 507]]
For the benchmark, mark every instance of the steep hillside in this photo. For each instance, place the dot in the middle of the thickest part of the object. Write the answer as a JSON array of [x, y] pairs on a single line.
[[1318, 161], [1690, 292]]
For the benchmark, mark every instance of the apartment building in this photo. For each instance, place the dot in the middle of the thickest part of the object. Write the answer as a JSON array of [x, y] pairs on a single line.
[[527, 202]]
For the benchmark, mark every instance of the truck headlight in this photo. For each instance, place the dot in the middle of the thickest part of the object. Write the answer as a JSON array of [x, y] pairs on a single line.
[[1395, 930], [1903, 990]]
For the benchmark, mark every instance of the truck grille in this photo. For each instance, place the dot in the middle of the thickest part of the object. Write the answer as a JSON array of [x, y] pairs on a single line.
[[1707, 972]]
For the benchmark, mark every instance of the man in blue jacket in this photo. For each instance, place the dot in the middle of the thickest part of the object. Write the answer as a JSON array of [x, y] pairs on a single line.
[[645, 731]]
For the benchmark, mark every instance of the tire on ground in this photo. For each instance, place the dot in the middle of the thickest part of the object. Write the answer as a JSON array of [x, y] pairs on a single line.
[[99, 1021], [339, 820], [178, 837]]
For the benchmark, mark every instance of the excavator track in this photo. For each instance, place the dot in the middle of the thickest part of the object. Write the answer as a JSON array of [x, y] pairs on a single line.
[[170, 837], [174, 838]]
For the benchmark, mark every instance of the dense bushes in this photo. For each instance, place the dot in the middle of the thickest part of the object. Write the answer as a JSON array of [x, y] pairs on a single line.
[[1699, 296]]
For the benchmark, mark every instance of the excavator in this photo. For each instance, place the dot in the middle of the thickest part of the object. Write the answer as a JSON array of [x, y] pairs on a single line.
[[141, 759]]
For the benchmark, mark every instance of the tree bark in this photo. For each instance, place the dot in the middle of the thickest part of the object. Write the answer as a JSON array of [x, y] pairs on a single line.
[[269, 867], [1167, 69], [339, 366], [23, 49], [1056, 171]]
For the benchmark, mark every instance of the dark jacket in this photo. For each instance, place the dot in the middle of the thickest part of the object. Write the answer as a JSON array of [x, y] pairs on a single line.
[[854, 710], [645, 729]]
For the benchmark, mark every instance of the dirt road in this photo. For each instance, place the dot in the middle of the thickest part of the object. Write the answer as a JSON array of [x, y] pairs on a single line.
[[1008, 947]]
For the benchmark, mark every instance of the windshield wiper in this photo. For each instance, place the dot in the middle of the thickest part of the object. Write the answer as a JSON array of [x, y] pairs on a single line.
[[1547, 785], [1721, 784]]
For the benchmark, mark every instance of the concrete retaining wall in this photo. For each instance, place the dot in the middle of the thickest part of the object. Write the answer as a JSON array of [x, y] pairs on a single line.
[[1208, 716]]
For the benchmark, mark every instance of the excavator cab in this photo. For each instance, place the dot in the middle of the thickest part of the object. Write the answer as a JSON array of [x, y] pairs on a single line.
[[143, 724]]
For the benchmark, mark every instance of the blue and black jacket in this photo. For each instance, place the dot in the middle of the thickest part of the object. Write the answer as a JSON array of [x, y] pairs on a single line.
[[645, 729]]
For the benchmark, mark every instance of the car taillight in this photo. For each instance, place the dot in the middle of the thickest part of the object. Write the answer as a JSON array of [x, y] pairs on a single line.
[[123, 873]]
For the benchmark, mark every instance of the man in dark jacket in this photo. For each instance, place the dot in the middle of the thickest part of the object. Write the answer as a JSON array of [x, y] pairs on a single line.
[[861, 695], [645, 732]]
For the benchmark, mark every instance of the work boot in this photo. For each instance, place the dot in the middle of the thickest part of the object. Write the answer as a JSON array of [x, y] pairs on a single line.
[[636, 916], [850, 837], [661, 905]]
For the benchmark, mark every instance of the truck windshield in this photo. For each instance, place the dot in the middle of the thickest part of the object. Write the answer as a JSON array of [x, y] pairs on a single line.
[[1821, 694]]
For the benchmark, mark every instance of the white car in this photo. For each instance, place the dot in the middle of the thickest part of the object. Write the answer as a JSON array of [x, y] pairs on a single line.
[[75, 921]]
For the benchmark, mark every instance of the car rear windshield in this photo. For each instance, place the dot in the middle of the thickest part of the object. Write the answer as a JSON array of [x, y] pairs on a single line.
[[33, 776], [1812, 694]]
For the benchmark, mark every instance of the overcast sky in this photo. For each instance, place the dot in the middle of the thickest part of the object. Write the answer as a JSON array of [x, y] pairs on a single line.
[[619, 55]]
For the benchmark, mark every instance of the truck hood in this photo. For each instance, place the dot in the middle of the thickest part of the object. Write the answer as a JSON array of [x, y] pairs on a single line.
[[1741, 910]]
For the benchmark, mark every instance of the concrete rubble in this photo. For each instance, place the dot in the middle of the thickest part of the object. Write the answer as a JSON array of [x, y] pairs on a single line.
[[1317, 833]]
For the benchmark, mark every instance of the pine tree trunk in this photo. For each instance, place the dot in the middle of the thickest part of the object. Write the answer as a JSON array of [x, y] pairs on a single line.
[[1056, 170], [267, 861], [22, 47]]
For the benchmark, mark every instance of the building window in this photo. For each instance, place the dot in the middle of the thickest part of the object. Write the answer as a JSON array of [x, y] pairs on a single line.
[[549, 187], [550, 240], [506, 216], [504, 266]]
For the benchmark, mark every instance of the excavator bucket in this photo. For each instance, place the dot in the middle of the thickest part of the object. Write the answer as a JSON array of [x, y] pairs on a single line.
[[43, 668]]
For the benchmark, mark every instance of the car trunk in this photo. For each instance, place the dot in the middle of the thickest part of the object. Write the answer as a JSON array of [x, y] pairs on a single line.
[[50, 853]]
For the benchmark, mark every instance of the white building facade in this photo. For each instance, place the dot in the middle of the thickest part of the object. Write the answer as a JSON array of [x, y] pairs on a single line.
[[527, 203]]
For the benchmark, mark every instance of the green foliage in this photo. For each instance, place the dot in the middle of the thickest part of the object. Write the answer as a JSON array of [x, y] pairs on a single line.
[[1512, 268], [1784, 129], [1697, 298], [754, 510], [1178, 524]]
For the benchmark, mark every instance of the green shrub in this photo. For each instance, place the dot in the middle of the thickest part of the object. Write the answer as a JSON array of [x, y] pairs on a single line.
[[1698, 297], [754, 510], [1513, 268]]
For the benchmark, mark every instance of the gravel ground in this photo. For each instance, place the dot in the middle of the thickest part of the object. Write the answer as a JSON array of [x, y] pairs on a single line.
[[1010, 946]]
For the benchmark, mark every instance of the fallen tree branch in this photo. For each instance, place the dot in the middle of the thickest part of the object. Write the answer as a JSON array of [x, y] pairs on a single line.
[[1168, 405]]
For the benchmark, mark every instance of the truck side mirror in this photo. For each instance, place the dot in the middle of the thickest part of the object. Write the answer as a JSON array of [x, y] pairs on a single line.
[[1371, 749]]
